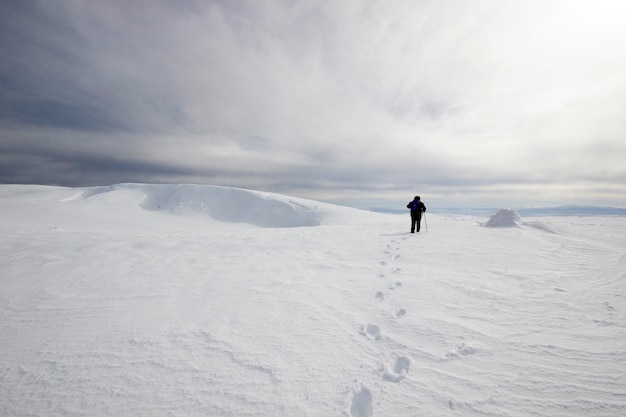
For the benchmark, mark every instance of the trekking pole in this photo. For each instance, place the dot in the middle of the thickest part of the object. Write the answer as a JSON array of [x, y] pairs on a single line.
[[425, 222]]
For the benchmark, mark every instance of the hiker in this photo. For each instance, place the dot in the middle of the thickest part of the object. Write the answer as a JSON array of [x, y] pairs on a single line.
[[417, 208]]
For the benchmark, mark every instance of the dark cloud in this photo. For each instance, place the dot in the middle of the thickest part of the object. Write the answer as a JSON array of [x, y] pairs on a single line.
[[61, 115], [74, 66]]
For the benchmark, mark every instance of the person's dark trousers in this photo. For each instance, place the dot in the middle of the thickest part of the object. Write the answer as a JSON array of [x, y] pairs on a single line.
[[416, 219]]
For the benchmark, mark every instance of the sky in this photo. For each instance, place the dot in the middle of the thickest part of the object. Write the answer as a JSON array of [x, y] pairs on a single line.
[[481, 103]]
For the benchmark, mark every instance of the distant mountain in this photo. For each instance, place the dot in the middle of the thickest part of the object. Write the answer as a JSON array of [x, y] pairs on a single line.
[[571, 210]]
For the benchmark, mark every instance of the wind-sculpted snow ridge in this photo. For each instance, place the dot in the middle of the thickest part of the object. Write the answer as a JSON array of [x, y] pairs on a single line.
[[228, 204]]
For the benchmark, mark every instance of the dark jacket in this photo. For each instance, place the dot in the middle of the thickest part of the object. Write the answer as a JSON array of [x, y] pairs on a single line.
[[416, 206]]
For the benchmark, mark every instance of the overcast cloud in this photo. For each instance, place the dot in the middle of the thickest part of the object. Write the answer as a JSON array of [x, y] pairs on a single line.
[[464, 102]]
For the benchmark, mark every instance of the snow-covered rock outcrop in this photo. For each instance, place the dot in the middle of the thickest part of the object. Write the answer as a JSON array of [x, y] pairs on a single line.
[[503, 218]]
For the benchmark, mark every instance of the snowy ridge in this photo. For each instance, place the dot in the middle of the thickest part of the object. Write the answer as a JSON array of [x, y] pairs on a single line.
[[228, 204], [135, 300]]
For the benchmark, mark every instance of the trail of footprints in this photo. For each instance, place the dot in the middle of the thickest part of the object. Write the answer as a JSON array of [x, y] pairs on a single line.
[[390, 252], [362, 402], [398, 370]]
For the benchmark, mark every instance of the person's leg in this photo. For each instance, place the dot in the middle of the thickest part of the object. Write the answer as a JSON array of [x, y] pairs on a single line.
[[412, 223], [418, 221]]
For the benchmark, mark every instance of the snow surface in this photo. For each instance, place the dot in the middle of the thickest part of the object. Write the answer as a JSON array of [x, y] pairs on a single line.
[[181, 300]]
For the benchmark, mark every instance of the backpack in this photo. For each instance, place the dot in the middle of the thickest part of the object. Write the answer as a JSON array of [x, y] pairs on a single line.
[[414, 205]]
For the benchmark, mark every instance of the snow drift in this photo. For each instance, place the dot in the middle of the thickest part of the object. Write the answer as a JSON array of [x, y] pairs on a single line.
[[226, 204]]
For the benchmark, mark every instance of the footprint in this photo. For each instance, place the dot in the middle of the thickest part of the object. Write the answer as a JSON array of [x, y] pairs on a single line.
[[400, 370], [383, 263], [371, 331], [463, 350], [379, 296], [396, 285], [361, 403], [400, 312], [402, 365]]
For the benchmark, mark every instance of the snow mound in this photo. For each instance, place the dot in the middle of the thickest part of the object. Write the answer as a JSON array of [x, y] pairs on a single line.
[[503, 218], [228, 204]]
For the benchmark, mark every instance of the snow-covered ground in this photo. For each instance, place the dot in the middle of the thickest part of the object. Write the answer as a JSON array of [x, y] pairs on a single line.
[[180, 300]]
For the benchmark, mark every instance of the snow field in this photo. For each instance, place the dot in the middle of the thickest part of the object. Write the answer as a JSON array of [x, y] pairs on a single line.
[[161, 300]]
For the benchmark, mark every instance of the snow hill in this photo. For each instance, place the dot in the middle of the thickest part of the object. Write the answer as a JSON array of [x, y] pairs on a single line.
[[188, 300]]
